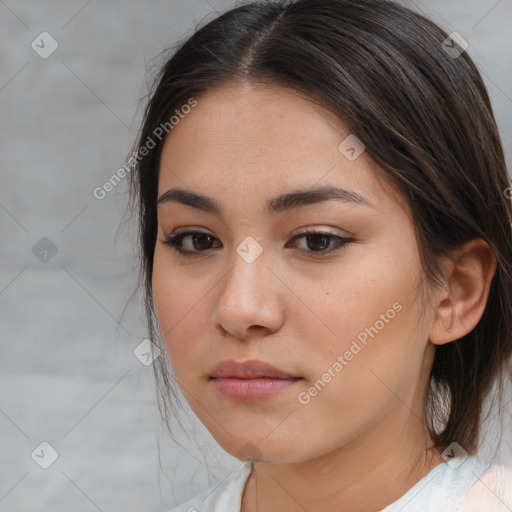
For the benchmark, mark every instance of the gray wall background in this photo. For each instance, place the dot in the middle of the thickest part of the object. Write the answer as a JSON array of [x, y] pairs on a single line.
[[69, 376]]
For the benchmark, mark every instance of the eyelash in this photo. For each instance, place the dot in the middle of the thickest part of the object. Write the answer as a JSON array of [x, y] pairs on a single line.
[[174, 241]]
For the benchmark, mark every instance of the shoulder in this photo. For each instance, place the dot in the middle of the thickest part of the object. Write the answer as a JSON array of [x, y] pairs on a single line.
[[492, 492], [225, 496], [443, 489]]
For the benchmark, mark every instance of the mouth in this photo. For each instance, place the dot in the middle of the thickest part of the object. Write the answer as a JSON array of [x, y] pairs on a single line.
[[250, 381]]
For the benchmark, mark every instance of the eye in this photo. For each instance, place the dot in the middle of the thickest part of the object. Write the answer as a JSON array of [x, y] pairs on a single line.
[[322, 243], [197, 242], [203, 240]]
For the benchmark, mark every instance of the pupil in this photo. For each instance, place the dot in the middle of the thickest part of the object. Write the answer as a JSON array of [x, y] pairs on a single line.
[[196, 239], [323, 245]]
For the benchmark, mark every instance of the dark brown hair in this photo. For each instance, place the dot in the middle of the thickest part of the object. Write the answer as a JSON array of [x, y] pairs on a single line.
[[424, 116]]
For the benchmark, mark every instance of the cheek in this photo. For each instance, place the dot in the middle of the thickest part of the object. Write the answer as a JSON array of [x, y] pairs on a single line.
[[362, 297], [370, 366], [369, 315], [178, 311]]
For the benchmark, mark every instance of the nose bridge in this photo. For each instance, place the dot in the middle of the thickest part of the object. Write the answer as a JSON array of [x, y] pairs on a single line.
[[249, 295], [248, 275]]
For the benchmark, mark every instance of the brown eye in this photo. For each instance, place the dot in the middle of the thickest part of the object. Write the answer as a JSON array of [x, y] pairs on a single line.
[[195, 242], [322, 243], [201, 241], [318, 242]]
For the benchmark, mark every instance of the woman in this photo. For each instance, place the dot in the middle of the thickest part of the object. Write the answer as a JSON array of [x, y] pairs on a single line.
[[326, 246]]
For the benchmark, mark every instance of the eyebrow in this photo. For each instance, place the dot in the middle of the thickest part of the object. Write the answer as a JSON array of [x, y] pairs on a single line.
[[281, 203]]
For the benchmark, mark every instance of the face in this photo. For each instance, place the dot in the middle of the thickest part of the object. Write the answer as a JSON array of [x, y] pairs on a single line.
[[323, 289]]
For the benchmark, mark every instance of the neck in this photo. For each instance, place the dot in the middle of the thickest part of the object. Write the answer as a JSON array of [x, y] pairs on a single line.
[[366, 474]]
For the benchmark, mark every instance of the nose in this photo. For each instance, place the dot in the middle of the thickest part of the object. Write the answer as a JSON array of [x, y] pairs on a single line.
[[250, 299]]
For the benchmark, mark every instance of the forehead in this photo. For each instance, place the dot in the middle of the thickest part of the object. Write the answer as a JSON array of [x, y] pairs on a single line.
[[255, 118], [254, 138]]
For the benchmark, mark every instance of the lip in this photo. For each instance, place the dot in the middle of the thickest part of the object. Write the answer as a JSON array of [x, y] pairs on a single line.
[[250, 381], [248, 370]]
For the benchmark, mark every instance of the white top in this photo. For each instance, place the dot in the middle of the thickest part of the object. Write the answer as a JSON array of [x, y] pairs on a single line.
[[441, 490]]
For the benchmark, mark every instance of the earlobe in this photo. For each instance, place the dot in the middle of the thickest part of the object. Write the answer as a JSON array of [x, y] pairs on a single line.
[[462, 302]]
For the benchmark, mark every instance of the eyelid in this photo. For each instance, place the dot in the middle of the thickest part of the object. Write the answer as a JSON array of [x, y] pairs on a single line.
[[318, 231], [306, 230], [186, 229]]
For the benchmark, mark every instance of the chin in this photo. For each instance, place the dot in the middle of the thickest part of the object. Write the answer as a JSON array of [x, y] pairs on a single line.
[[260, 449]]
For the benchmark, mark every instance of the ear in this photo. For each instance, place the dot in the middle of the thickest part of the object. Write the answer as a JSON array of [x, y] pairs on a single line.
[[460, 305]]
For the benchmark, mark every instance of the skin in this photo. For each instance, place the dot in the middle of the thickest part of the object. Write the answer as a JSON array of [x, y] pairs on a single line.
[[360, 443]]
